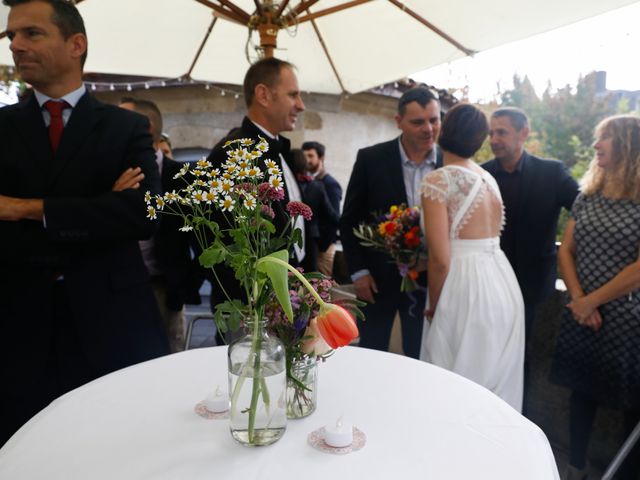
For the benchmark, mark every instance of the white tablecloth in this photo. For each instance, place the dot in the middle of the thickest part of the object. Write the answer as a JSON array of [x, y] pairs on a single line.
[[420, 422]]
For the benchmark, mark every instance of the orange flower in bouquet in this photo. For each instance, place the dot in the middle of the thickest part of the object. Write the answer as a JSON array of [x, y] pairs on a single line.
[[398, 234]]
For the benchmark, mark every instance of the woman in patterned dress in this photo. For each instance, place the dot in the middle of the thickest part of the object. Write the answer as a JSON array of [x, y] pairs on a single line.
[[598, 350]]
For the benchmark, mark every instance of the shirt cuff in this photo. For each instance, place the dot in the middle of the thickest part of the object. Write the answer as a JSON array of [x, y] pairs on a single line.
[[359, 274]]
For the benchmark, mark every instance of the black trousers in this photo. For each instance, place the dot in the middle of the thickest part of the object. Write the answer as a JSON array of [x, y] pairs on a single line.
[[65, 367], [375, 330]]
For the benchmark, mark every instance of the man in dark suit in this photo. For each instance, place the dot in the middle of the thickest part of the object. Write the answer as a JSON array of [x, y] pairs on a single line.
[[389, 174], [534, 190], [273, 103], [328, 233], [167, 255], [75, 299]]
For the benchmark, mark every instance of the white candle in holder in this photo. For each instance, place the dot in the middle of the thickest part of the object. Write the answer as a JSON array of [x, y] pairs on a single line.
[[217, 402], [338, 435]]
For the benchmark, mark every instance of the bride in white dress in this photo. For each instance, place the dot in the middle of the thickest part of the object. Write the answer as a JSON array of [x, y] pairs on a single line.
[[477, 311]]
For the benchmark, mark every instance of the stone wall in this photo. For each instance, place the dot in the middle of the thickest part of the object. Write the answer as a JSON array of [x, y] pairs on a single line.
[[196, 117]]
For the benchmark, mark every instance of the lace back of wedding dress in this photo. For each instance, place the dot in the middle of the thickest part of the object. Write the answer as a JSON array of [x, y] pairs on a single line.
[[473, 201]]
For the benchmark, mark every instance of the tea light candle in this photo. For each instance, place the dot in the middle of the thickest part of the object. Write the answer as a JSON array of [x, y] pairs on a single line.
[[338, 435], [217, 402]]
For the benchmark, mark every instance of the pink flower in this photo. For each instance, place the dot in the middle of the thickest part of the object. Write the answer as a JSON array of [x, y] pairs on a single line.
[[313, 343], [267, 211], [267, 193], [336, 325], [299, 208]]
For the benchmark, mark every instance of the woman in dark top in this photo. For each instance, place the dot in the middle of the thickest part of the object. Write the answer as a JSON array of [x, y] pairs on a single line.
[[598, 350]]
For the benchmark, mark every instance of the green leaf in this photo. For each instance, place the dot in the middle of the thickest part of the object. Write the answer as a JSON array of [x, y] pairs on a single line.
[[267, 225], [213, 255], [277, 273]]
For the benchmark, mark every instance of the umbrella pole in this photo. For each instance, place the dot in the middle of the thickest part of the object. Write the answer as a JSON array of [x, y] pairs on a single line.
[[268, 34]]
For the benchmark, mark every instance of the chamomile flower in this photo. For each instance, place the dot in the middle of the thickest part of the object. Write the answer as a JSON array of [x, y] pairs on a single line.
[[276, 182], [227, 203], [186, 228], [249, 201], [198, 196], [151, 213], [262, 145], [147, 197], [274, 171], [242, 174], [170, 197], [210, 196], [227, 186], [270, 164], [199, 173], [159, 202], [182, 171], [215, 184], [203, 163], [246, 142], [254, 172]]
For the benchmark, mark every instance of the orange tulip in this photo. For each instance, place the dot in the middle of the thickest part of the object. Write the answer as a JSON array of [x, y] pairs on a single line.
[[336, 325], [313, 343]]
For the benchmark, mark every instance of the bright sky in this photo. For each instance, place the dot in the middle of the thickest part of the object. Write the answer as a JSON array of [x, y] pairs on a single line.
[[609, 42]]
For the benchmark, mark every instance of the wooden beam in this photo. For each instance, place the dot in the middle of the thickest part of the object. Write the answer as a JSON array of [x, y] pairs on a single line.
[[329, 11], [202, 44], [236, 9], [326, 52], [432, 27], [283, 5], [224, 13], [302, 6]]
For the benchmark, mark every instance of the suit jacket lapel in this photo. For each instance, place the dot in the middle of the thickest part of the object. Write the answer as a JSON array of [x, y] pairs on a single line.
[[83, 119], [30, 124], [396, 177]]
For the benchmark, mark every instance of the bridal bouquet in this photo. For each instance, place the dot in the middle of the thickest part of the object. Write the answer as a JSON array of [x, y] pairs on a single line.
[[230, 210], [398, 234]]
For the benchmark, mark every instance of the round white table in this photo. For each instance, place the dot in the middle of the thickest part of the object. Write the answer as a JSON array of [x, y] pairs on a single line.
[[139, 423]]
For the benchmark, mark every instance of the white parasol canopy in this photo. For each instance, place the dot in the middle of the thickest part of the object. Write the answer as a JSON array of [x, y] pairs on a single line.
[[337, 45]]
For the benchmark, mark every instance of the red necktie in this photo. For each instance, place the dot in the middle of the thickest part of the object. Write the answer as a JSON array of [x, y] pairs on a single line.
[[56, 125]]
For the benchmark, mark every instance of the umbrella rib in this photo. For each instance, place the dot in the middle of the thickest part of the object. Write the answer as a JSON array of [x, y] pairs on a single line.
[[224, 13], [204, 41], [281, 8], [328, 11], [302, 6], [326, 52], [259, 8], [232, 6], [432, 27]]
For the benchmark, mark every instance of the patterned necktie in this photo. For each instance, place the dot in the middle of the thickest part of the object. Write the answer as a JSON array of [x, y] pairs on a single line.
[[56, 125]]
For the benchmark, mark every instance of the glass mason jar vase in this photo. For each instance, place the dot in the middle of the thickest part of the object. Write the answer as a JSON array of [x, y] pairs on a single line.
[[302, 387], [257, 385]]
